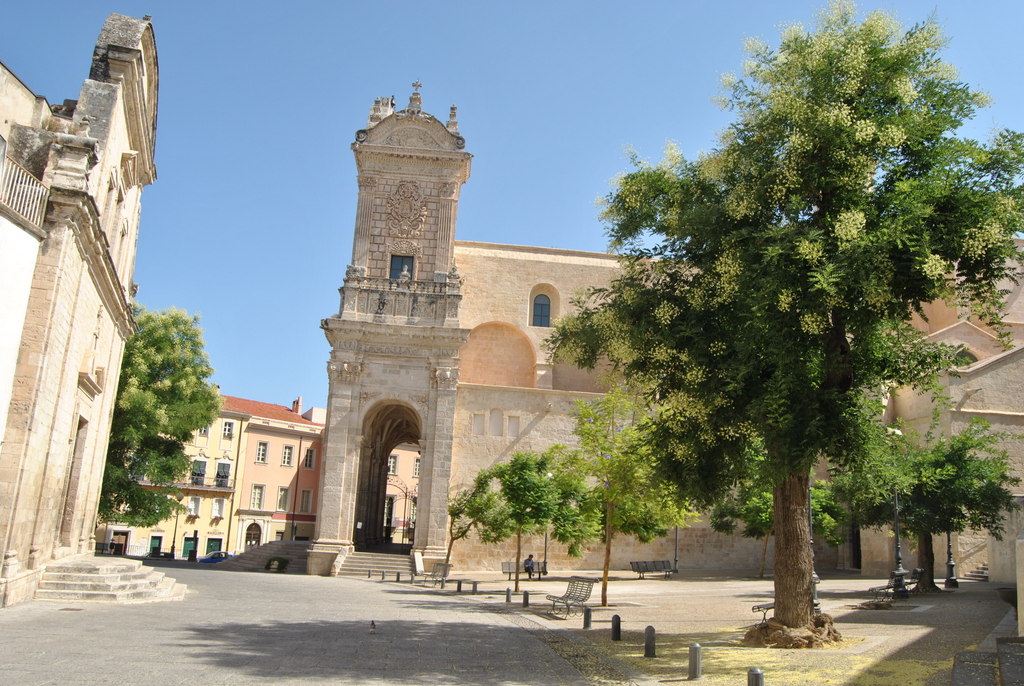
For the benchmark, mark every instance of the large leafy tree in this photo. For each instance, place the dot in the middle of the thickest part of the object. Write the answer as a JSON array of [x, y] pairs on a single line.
[[943, 485], [787, 262], [749, 511], [628, 494], [164, 394]]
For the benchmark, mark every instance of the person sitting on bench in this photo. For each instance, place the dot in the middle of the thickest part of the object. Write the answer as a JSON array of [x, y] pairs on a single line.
[[528, 566]]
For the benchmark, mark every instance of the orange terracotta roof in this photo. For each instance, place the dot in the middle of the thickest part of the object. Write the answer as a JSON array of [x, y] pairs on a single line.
[[280, 413]]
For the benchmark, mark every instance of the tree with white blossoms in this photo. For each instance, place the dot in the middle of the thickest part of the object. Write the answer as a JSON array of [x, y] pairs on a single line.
[[787, 263]]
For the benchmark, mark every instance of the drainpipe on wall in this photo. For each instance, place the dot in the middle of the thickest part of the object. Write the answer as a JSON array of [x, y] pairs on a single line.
[[295, 490]]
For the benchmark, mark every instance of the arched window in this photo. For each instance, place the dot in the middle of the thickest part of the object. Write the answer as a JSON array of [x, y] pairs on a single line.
[[542, 310]]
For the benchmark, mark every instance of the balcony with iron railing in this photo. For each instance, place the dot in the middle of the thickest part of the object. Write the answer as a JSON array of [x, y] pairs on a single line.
[[22, 193]]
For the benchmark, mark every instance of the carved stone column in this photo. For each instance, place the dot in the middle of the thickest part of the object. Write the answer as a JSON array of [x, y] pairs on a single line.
[[432, 503]]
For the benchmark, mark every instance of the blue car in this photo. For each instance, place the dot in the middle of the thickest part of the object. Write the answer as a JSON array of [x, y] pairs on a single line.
[[218, 556]]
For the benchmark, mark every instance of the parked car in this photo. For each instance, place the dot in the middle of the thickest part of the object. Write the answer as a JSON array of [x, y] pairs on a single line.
[[218, 556]]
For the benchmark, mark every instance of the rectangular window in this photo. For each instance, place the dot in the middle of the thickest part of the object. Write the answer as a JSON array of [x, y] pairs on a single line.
[[223, 474], [261, 452], [513, 427], [286, 455], [310, 461], [282, 498], [478, 425], [218, 508], [496, 421], [228, 431], [204, 432], [401, 267], [393, 464], [416, 467], [194, 502], [306, 501], [198, 472], [256, 501]]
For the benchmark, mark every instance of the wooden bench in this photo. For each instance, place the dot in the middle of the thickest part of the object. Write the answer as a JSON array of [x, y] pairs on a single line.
[[438, 574], [577, 593], [909, 583], [642, 567]]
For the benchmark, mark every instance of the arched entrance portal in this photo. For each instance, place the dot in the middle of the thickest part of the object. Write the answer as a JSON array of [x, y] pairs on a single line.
[[253, 534], [388, 426]]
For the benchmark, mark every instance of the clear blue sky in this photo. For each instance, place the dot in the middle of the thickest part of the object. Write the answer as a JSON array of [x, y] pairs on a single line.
[[250, 221]]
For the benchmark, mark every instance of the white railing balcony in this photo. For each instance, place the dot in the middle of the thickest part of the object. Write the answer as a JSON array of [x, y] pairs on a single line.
[[21, 192]]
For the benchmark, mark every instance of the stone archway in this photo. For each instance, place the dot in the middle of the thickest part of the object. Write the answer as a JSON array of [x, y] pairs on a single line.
[[387, 425], [253, 535]]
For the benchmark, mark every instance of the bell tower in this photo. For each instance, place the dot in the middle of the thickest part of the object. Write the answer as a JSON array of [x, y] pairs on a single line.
[[395, 341]]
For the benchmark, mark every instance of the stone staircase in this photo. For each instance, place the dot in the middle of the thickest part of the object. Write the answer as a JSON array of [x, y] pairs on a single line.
[[979, 573], [1005, 667], [115, 580], [255, 559], [358, 564]]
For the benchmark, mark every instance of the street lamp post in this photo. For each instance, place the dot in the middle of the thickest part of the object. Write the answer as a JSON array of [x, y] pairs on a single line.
[[951, 580], [178, 496], [810, 535], [899, 590]]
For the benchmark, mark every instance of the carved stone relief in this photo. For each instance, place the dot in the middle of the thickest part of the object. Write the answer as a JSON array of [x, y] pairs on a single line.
[[405, 247], [407, 211]]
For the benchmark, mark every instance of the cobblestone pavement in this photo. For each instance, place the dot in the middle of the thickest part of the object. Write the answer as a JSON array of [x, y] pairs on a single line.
[[252, 628]]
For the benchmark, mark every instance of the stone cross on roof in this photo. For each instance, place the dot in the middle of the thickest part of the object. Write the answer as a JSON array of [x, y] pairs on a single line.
[[417, 85]]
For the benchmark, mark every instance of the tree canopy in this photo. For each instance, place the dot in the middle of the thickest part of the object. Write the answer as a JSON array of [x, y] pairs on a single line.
[[627, 494], [775, 301], [164, 394], [944, 485]]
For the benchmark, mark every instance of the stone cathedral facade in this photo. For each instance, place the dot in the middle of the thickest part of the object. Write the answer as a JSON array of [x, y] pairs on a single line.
[[438, 344]]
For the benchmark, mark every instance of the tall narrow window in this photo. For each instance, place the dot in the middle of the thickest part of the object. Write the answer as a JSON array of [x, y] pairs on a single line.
[[542, 310], [393, 464], [416, 467], [310, 460], [223, 474], [286, 456], [306, 501], [282, 498], [198, 472], [401, 267], [513, 427], [194, 503], [261, 452], [218, 508], [228, 431], [256, 501]]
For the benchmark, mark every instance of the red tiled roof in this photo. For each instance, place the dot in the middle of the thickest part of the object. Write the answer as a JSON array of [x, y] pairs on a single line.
[[280, 413]]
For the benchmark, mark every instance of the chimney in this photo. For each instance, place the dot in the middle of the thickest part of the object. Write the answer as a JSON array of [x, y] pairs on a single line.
[[297, 405]]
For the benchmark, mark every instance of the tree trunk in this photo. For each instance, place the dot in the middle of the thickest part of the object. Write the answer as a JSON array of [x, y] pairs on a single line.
[[451, 544], [608, 533], [519, 554], [926, 561], [764, 555], [794, 588]]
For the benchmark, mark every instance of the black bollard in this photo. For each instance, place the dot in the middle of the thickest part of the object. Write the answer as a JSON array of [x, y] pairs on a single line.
[[649, 642], [755, 677], [616, 628], [398, 577], [383, 572], [695, 667], [508, 595], [526, 599], [369, 573], [587, 617]]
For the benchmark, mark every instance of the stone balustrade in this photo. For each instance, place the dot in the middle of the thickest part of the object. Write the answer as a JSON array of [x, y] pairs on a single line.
[[21, 192]]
